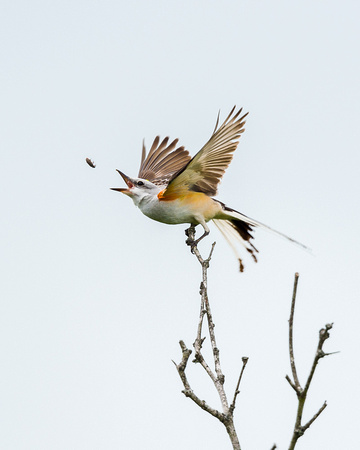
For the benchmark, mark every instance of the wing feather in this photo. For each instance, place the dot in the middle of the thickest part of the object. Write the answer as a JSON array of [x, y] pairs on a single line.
[[162, 161], [205, 170]]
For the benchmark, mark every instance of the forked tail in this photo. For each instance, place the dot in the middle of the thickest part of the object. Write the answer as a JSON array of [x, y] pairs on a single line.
[[237, 227]]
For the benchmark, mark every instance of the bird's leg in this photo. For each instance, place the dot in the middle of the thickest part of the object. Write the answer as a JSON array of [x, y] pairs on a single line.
[[195, 243], [190, 232]]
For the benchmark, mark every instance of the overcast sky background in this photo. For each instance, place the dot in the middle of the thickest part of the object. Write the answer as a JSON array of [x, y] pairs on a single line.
[[95, 296]]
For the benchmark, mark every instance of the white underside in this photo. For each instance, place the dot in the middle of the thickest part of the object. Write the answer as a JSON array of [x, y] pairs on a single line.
[[172, 212]]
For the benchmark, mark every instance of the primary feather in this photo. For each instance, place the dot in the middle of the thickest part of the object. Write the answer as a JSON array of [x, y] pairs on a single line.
[[205, 170], [162, 161]]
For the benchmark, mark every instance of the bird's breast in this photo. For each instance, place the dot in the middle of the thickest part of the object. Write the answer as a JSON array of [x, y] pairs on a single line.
[[190, 208]]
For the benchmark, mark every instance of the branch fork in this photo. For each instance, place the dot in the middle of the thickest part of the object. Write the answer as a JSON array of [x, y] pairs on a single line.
[[301, 392], [216, 375]]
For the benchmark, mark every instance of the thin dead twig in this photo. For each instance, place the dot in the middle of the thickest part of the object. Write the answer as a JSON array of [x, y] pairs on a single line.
[[301, 393], [245, 359]]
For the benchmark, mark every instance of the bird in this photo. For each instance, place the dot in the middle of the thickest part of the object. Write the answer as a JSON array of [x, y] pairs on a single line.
[[174, 188]]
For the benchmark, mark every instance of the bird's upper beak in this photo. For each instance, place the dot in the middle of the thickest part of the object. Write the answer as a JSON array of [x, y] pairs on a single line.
[[127, 181]]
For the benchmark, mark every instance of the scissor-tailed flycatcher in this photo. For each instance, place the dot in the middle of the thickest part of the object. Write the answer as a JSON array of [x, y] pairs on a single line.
[[174, 188]]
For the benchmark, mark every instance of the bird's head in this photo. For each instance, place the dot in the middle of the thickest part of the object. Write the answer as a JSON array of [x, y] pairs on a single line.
[[137, 188]]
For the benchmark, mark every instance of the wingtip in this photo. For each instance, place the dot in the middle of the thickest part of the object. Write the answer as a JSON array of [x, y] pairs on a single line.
[[217, 121]]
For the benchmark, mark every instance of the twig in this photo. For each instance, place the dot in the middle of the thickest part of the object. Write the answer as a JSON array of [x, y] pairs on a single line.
[[291, 323], [245, 359], [218, 378], [301, 393], [315, 416], [188, 392]]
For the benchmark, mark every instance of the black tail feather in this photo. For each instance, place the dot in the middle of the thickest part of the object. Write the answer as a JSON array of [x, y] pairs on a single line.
[[234, 224], [244, 229]]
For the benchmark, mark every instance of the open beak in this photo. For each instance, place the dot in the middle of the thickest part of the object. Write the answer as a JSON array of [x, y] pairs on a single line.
[[127, 181]]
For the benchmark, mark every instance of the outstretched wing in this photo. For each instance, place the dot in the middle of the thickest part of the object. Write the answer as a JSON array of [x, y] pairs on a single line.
[[162, 161], [205, 170]]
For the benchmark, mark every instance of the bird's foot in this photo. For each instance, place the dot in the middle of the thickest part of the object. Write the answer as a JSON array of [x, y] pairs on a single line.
[[191, 243], [190, 233]]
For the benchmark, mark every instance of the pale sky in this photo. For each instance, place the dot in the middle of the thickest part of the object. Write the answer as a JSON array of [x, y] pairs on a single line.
[[95, 296]]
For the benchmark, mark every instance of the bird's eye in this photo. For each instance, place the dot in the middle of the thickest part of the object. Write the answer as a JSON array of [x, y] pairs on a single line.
[[140, 183]]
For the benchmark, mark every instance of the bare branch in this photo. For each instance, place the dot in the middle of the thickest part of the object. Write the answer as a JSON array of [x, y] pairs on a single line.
[[301, 393], [315, 416], [226, 416], [291, 383], [188, 392], [182, 366], [218, 378], [323, 335], [245, 359], [203, 405], [199, 340], [291, 345]]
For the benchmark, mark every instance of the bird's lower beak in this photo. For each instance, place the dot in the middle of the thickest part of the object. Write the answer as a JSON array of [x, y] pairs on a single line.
[[127, 181]]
